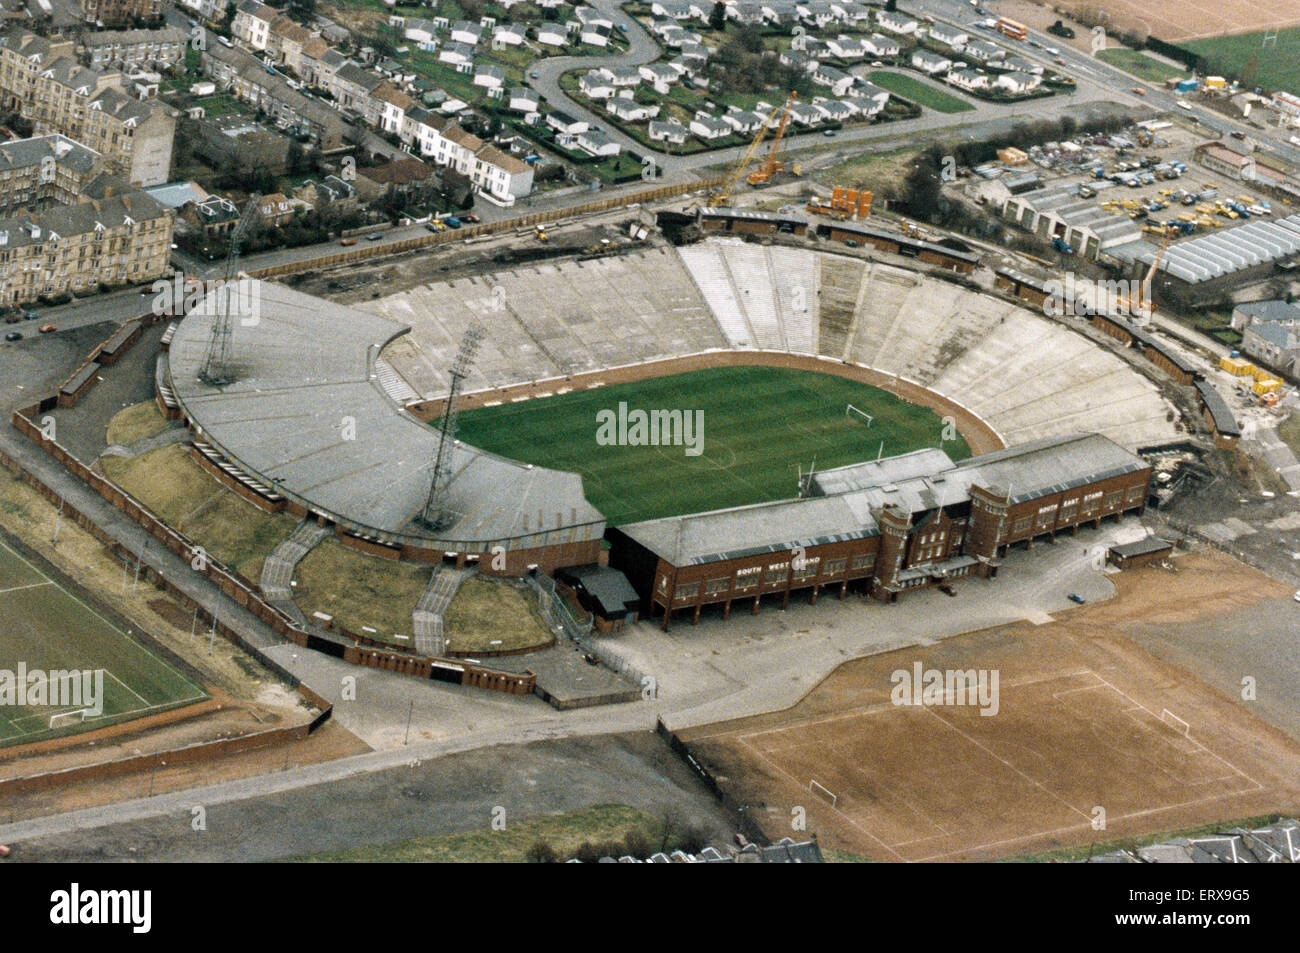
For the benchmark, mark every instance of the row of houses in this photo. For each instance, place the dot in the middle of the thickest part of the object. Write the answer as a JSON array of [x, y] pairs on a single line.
[[1270, 333], [43, 81], [118, 49], [815, 13]]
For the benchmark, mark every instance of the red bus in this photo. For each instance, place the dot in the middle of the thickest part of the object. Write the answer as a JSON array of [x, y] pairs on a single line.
[[1011, 28]]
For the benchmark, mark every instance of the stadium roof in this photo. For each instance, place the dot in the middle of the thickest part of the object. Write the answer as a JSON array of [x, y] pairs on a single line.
[[1025, 472], [308, 415], [1225, 422]]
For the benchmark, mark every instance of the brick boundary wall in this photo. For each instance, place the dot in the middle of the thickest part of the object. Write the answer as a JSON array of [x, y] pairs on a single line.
[[230, 584]]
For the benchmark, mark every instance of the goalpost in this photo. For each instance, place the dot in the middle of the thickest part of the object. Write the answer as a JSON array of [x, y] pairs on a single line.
[[822, 791], [850, 411], [1176, 723], [68, 718]]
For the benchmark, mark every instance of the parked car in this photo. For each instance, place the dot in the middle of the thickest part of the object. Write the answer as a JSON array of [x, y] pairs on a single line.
[[829, 132], [13, 336], [47, 328], [436, 226], [32, 316], [452, 222], [1076, 598], [1184, 105], [1138, 91], [471, 218], [347, 241], [1059, 61], [12, 318], [374, 236]]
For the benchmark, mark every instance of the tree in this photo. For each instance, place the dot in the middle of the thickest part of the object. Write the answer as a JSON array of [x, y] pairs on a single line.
[[541, 853], [718, 17]]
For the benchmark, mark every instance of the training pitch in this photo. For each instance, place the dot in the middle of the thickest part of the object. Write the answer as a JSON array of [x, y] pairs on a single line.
[[1093, 741], [761, 425], [44, 627]]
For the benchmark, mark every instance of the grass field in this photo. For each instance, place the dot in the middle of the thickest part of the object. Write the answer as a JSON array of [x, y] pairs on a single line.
[[492, 615], [136, 423], [918, 92], [44, 627], [1139, 64], [360, 590], [760, 425], [1275, 66], [564, 833], [183, 495]]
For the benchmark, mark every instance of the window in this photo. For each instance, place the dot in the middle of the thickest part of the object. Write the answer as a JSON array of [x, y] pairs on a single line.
[[747, 578], [773, 576], [688, 591], [1112, 500], [834, 566], [717, 585], [865, 561], [1134, 494], [1022, 524]]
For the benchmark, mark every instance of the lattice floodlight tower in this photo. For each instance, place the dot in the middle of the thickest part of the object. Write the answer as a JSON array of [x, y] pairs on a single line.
[[217, 368], [438, 513]]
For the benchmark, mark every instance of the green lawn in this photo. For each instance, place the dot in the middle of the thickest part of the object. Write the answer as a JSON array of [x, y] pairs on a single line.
[[1140, 64], [1275, 66], [760, 425], [918, 92], [46, 628]]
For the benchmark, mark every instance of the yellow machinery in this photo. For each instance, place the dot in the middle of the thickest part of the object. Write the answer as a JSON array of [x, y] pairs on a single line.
[[1236, 366], [772, 165], [723, 194]]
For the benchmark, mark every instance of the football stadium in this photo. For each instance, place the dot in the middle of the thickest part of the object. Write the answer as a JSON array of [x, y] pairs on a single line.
[[860, 422]]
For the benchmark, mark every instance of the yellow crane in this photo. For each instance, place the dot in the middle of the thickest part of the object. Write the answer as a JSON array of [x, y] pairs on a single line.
[[723, 194], [772, 165]]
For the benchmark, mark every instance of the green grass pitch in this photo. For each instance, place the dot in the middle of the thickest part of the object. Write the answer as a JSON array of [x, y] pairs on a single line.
[[45, 627], [1260, 60], [760, 425]]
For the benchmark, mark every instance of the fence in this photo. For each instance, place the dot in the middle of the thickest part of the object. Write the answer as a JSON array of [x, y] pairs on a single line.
[[231, 584], [559, 616], [487, 228]]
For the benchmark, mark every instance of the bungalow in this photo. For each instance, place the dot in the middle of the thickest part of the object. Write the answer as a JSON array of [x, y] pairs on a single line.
[[595, 85], [463, 31], [816, 47], [847, 12], [982, 52], [967, 79], [685, 66], [931, 63], [742, 120], [590, 16], [564, 123], [816, 13], [709, 127], [594, 35], [521, 99], [847, 47], [746, 12], [596, 143], [1022, 65], [621, 75], [553, 34], [863, 106], [798, 60], [805, 114], [881, 45], [509, 34], [674, 9], [896, 22], [489, 76], [1017, 82], [658, 74], [696, 53], [837, 81], [835, 110], [421, 32], [629, 110], [872, 92], [779, 12], [949, 35], [670, 131], [456, 54]]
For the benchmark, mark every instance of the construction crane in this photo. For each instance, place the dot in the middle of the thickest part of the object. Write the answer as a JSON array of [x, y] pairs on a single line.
[[772, 165], [217, 370], [723, 194], [1144, 305]]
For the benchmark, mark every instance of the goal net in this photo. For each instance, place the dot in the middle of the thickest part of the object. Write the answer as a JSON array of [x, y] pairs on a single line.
[[68, 718], [855, 413], [1176, 723], [823, 792]]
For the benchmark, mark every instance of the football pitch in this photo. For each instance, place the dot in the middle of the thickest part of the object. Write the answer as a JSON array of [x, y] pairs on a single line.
[[44, 629], [760, 426]]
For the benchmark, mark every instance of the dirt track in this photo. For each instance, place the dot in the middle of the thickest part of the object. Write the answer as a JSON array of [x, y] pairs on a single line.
[[1080, 725]]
